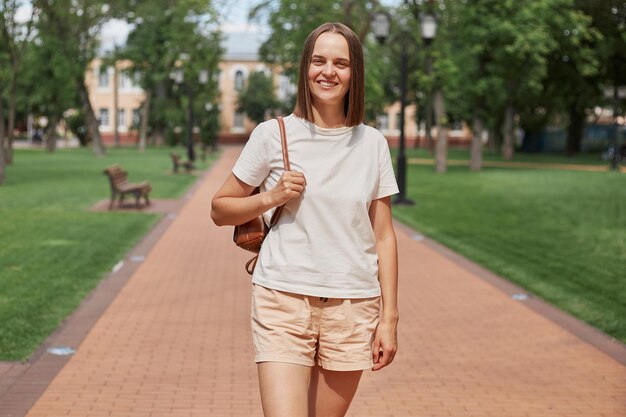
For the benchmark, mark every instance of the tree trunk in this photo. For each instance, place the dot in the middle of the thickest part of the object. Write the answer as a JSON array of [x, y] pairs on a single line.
[[492, 140], [428, 118], [441, 148], [508, 146], [50, 134], [145, 114], [418, 121], [11, 122], [158, 129], [2, 142], [477, 145], [575, 131], [116, 133], [90, 119]]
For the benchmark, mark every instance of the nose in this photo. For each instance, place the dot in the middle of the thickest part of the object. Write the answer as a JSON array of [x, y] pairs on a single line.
[[328, 69]]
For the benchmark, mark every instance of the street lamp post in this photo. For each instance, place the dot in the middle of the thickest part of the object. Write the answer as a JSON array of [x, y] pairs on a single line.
[[381, 23], [428, 29]]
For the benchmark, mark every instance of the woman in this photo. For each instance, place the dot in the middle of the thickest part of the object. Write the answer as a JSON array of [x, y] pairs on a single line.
[[317, 316]]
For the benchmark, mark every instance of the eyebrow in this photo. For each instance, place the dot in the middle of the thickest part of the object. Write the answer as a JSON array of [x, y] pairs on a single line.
[[323, 57]]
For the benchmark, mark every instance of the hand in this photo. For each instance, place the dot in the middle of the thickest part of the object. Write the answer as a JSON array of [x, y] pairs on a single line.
[[385, 344], [290, 185]]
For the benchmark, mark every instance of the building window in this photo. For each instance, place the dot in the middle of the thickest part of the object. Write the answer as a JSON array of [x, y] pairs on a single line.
[[239, 80], [239, 120], [136, 118], [398, 120], [383, 122], [123, 80], [103, 78], [104, 117], [121, 117]]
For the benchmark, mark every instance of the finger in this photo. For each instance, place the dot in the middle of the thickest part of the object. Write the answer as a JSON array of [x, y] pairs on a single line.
[[294, 178], [391, 355], [380, 363], [289, 186], [384, 358], [376, 351]]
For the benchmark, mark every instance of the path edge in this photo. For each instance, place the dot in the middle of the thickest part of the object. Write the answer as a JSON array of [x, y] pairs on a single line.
[[25, 382], [583, 331]]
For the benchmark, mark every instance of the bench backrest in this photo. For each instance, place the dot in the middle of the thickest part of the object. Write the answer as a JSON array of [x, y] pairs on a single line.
[[117, 176]]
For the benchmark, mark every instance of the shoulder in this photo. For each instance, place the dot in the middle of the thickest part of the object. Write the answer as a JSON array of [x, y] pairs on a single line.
[[371, 134], [266, 127], [265, 133]]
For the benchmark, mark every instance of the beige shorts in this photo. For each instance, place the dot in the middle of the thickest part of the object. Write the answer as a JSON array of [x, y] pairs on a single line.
[[335, 333]]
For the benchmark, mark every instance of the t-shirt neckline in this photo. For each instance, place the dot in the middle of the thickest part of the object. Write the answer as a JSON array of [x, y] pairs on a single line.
[[324, 131]]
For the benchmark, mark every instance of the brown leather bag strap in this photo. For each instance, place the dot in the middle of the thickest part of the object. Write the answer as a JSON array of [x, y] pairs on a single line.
[[283, 144], [251, 264]]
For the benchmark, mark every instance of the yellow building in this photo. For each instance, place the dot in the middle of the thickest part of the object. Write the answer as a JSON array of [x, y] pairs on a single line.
[[102, 84], [239, 61]]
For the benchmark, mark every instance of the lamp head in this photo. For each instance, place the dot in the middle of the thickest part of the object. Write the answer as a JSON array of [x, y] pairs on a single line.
[[381, 25]]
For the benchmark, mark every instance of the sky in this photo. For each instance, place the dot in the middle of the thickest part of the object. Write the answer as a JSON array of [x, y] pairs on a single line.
[[234, 14]]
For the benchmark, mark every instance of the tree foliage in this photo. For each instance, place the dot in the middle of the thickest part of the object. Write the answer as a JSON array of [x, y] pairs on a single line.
[[71, 27], [290, 23], [257, 98], [180, 35], [14, 36]]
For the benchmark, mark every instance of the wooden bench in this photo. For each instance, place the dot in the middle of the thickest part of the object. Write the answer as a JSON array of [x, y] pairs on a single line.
[[120, 186], [188, 165]]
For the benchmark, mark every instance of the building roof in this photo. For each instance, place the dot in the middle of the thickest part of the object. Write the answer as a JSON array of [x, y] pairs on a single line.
[[242, 46]]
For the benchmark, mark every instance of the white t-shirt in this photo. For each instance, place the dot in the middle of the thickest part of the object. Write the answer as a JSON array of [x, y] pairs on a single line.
[[323, 244]]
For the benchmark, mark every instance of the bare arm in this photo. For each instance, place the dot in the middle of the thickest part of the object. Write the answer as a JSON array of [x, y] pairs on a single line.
[[233, 204], [386, 338]]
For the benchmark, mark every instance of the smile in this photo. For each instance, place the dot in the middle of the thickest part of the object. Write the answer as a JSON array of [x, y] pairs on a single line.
[[326, 83]]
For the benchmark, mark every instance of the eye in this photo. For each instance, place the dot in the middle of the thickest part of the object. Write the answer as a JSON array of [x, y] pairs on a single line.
[[317, 61]]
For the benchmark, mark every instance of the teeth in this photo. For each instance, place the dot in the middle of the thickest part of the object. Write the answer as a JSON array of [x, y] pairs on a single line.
[[327, 84]]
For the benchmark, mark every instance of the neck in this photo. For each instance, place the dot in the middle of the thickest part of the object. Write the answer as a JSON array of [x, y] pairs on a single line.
[[329, 116]]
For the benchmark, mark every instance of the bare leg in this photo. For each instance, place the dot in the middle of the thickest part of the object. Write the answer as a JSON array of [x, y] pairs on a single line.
[[331, 392], [283, 389]]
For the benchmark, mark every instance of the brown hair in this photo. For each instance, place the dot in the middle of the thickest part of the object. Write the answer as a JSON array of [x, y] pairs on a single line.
[[354, 105]]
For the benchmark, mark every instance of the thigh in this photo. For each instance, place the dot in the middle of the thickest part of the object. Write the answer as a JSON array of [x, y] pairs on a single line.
[[284, 389], [331, 392], [346, 334], [282, 327]]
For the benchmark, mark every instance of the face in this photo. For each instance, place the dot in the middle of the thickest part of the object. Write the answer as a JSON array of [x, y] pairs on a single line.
[[330, 71]]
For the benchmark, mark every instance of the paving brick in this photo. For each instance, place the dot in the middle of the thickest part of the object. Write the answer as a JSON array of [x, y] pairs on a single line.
[[176, 341]]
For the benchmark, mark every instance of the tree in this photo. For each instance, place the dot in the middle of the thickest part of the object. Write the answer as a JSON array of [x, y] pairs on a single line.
[[603, 64], [14, 35], [76, 25], [291, 22], [4, 59], [44, 84], [258, 98], [154, 48], [502, 59]]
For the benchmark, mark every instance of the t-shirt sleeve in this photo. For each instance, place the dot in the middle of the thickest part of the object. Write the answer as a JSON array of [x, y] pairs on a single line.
[[252, 166], [387, 184]]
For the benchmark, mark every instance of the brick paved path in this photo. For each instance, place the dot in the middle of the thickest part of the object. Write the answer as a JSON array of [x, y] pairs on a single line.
[[176, 342]]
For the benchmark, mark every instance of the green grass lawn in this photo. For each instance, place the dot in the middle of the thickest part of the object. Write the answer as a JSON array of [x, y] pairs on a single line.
[[53, 250], [559, 234], [464, 154]]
